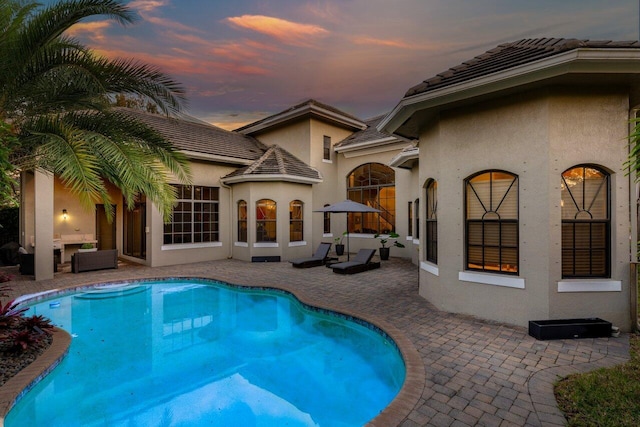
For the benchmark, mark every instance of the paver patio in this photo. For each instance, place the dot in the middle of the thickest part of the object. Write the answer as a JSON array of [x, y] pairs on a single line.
[[472, 372]]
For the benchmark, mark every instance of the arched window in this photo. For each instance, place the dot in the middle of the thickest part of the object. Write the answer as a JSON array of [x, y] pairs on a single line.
[[586, 222], [265, 220], [242, 221], [295, 221], [373, 184], [431, 219], [491, 217]]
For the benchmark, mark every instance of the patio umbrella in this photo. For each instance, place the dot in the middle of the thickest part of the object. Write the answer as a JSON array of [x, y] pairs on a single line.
[[348, 206]]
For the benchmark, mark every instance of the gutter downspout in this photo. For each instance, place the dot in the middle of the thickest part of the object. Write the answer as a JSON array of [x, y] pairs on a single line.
[[634, 204], [230, 188]]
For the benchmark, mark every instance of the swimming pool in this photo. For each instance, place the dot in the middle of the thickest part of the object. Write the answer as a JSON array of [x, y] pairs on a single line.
[[185, 352]]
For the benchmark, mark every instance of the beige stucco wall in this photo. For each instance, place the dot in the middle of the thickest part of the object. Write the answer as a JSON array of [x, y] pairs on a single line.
[[282, 193], [535, 136], [294, 137], [206, 174], [593, 128]]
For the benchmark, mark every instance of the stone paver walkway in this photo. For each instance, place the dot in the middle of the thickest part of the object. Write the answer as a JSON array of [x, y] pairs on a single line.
[[471, 372]]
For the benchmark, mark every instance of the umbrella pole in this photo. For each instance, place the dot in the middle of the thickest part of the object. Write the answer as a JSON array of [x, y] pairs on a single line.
[[348, 236]]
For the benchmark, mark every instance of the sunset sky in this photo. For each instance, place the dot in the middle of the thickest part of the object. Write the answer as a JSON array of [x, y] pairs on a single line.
[[241, 60]]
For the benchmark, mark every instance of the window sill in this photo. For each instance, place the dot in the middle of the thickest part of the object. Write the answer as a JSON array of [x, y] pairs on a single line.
[[416, 241], [241, 244], [430, 267], [294, 244], [327, 161], [265, 245], [190, 246], [492, 279], [589, 285]]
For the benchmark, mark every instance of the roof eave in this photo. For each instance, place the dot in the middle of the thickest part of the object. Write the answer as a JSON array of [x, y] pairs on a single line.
[[581, 60], [312, 109], [194, 155], [368, 144], [270, 178], [405, 159]]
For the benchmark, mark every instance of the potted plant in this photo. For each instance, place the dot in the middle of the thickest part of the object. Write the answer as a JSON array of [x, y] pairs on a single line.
[[339, 244], [87, 247], [384, 240]]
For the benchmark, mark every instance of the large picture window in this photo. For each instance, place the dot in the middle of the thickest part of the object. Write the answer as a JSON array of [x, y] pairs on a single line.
[[372, 184], [242, 221], [195, 216], [491, 216], [431, 220], [586, 223], [266, 220], [296, 223]]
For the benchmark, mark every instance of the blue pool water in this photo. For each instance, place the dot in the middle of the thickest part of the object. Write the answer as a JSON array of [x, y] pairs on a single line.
[[193, 353]]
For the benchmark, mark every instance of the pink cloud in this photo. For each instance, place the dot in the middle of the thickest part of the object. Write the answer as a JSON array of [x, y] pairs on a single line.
[[285, 31], [147, 5], [92, 30]]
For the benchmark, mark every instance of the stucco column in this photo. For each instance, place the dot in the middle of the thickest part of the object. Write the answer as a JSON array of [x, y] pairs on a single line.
[[43, 228]]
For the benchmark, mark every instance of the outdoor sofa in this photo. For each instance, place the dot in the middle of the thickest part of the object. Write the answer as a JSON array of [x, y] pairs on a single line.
[[361, 262], [98, 260], [319, 257]]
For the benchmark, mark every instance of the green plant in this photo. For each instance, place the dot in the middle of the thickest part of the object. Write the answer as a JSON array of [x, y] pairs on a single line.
[[604, 397], [87, 246], [19, 331], [385, 238], [338, 240], [37, 322]]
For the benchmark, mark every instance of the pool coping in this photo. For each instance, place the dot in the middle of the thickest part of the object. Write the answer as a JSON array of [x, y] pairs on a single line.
[[393, 414], [23, 381]]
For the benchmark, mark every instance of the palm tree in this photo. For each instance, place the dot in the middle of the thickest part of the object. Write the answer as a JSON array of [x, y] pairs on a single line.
[[55, 101]]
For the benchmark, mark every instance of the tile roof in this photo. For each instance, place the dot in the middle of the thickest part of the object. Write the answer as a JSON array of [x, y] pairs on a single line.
[[509, 55], [199, 137], [276, 162], [371, 133], [302, 109]]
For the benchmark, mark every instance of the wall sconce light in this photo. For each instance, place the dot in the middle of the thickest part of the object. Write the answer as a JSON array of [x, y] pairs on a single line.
[[64, 214]]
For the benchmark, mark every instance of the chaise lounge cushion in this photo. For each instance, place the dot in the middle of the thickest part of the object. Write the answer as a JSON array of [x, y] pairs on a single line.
[[361, 262], [318, 258], [98, 260]]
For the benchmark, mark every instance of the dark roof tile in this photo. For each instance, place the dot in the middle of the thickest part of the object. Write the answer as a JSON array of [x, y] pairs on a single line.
[[371, 133], [509, 55], [201, 137], [277, 161]]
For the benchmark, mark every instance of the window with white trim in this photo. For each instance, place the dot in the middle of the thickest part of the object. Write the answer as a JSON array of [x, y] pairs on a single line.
[[586, 222], [327, 221], [195, 216], [296, 223], [326, 147], [431, 220], [266, 220], [372, 184], [242, 221], [491, 219]]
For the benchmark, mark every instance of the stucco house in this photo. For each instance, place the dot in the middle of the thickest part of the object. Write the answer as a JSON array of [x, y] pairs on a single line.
[[253, 196], [503, 175], [526, 209]]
